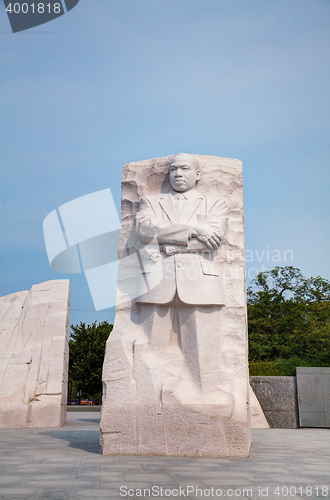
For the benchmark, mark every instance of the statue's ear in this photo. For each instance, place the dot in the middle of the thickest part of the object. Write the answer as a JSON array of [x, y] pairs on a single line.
[[198, 174]]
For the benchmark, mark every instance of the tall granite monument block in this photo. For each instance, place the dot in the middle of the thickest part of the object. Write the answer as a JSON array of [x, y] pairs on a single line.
[[175, 374], [34, 355]]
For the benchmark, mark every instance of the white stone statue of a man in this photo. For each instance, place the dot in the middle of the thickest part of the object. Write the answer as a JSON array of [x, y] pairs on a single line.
[[175, 371]]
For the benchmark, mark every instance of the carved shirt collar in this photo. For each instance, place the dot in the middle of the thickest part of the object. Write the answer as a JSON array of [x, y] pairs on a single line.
[[187, 195]]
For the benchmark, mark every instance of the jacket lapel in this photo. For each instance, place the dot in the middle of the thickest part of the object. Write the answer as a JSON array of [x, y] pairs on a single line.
[[193, 202], [190, 207], [166, 203]]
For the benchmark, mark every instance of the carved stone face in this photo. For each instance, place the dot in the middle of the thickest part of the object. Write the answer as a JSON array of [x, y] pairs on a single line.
[[183, 175]]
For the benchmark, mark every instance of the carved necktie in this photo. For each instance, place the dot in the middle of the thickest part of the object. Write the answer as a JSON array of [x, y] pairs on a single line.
[[179, 203]]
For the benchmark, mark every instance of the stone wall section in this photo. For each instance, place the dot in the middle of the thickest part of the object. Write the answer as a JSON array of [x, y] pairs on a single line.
[[278, 399], [34, 355], [313, 385]]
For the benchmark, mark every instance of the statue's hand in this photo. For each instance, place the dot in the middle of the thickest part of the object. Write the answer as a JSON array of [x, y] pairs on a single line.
[[207, 235]]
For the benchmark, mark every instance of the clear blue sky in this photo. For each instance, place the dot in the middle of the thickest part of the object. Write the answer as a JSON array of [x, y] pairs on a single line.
[[117, 81]]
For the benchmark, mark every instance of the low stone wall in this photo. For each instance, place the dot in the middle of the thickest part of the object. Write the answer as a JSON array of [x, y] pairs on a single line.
[[278, 399], [84, 408]]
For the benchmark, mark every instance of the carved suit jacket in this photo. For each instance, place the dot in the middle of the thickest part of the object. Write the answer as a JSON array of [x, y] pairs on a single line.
[[173, 262]]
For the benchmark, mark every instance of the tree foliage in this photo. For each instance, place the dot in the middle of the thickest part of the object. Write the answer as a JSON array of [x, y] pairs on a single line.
[[289, 317], [87, 347]]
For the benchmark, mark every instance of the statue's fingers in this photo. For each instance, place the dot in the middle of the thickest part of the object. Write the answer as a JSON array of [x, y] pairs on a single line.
[[206, 242], [217, 239], [213, 242]]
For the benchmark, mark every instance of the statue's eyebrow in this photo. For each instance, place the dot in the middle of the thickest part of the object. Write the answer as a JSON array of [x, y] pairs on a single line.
[[180, 166]]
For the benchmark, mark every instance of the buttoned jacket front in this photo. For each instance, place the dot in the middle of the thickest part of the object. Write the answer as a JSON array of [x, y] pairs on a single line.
[[187, 265]]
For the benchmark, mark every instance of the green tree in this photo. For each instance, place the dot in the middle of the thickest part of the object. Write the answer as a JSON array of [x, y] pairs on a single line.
[[87, 347], [289, 317]]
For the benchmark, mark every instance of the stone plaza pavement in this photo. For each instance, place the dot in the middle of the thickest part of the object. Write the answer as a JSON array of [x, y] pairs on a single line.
[[64, 464]]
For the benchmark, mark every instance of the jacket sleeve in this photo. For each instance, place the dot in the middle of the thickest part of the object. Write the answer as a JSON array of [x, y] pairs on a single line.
[[216, 219], [148, 226], [217, 216]]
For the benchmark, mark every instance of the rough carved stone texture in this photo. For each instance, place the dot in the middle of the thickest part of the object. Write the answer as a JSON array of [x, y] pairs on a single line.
[[258, 419], [151, 403], [34, 355]]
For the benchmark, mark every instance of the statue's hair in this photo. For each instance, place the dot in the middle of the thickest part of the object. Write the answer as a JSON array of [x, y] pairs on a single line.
[[196, 164], [195, 161]]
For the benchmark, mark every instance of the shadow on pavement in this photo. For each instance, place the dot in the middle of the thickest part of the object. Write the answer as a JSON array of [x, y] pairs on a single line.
[[81, 439]]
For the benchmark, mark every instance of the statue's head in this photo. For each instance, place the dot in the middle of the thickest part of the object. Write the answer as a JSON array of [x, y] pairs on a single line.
[[184, 173]]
